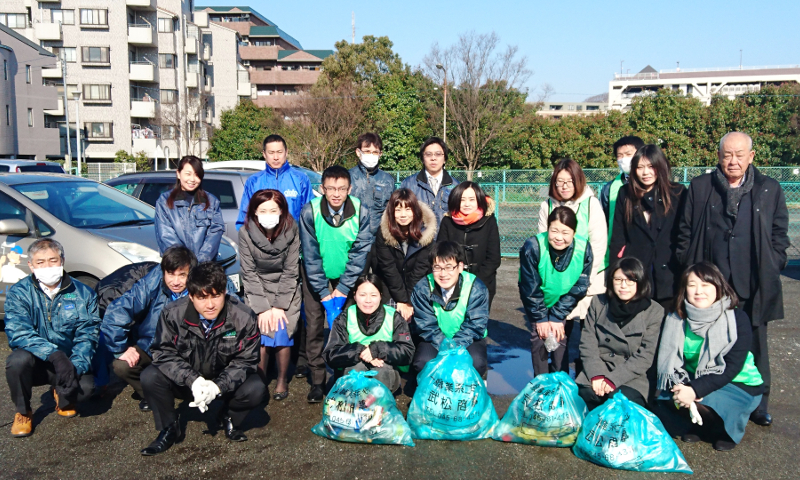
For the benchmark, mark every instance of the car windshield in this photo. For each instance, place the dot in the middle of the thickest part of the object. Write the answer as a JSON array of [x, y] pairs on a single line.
[[86, 204], [40, 168]]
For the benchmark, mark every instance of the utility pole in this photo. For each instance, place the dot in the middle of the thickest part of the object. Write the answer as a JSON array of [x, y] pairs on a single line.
[[68, 160], [353, 21], [444, 115], [740, 59], [77, 94]]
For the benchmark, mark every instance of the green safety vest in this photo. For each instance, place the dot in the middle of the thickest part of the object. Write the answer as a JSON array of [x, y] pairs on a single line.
[[450, 320], [385, 334], [554, 283], [335, 242], [582, 214], [692, 345], [616, 184]]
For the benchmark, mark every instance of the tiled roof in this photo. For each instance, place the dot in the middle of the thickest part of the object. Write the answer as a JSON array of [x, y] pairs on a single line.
[[274, 32], [230, 9]]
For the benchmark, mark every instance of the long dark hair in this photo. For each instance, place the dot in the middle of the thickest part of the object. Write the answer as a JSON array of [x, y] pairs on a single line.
[[404, 196], [197, 166], [575, 171], [266, 195], [454, 200], [633, 269], [663, 184], [708, 273]]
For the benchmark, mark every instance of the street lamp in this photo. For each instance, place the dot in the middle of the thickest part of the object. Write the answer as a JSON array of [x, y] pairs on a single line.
[[444, 121], [78, 137]]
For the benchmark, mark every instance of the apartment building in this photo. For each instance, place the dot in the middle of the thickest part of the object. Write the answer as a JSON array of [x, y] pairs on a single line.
[[558, 110], [140, 74], [702, 83], [26, 128], [278, 66]]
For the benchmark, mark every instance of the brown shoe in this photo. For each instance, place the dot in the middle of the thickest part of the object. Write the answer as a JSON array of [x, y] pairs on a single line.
[[23, 425], [68, 411]]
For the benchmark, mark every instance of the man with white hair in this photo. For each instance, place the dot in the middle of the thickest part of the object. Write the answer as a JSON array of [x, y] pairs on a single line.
[[736, 218]]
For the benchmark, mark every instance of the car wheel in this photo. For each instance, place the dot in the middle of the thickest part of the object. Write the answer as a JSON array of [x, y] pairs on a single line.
[[87, 280]]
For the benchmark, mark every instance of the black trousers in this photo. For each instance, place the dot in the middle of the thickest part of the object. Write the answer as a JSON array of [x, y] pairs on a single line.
[[131, 375], [539, 353], [678, 422], [761, 359], [427, 352], [160, 392], [593, 401], [25, 370], [315, 330]]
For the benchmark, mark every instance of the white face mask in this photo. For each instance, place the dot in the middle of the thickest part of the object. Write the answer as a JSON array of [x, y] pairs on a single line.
[[269, 221], [625, 164], [369, 160], [49, 275]]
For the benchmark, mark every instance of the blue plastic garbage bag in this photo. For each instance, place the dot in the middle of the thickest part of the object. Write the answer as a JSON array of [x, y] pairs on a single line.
[[451, 402], [620, 434], [360, 409], [333, 307], [547, 412]]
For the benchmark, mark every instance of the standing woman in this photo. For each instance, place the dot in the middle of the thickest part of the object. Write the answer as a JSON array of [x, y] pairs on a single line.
[[554, 270], [568, 188], [403, 246], [269, 249], [188, 215], [471, 223], [645, 225], [705, 366]]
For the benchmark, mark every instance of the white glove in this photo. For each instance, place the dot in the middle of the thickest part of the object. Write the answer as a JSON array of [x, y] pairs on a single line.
[[199, 392], [211, 392], [696, 418]]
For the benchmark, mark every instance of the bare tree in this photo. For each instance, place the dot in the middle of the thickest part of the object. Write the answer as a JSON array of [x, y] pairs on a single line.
[[545, 91], [485, 95], [323, 125], [187, 121]]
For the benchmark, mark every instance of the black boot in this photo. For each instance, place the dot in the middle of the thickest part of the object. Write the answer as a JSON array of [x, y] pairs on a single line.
[[316, 395], [165, 439], [232, 432], [144, 406]]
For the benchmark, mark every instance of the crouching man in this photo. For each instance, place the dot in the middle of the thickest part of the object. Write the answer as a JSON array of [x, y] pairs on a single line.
[[205, 347]]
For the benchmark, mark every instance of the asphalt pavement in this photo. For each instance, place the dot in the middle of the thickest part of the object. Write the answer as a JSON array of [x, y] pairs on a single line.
[[104, 441]]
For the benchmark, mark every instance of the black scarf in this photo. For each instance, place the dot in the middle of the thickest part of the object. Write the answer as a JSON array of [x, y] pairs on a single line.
[[732, 196], [623, 313]]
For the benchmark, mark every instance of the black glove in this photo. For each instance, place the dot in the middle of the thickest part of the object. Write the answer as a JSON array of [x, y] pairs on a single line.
[[65, 372]]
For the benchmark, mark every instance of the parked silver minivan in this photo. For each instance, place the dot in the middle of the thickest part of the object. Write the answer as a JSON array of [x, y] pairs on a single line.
[[101, 228]]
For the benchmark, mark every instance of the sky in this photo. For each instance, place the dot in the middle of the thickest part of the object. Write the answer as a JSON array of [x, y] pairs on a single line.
[[574, 46]]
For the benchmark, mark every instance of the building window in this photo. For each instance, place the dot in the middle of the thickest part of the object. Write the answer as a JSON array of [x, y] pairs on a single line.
[[169, 132], [13, 20], [98, 130], [193, 66], [166, 60], [30, 117], [94, 16], [27, 74], [94, 54], [592, 108], [169, 96], [5, 69], [66, 17], [68, 54], [166, 25], [96, 92], [8, 114]]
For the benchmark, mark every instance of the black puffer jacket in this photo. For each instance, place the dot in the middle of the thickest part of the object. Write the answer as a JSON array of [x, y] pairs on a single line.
[[401, 271], [340, 353], [481, 243], [183, 353], [118, 282]]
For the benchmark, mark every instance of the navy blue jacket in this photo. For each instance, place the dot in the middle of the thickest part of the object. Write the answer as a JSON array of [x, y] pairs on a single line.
[[373, 189], [190, 224], [312, 259], [69, 322], [530, 283], [475, 321], [418, 184], [292, 183]]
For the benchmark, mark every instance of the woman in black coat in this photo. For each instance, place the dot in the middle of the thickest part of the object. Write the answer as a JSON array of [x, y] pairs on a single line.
[[402, 246], [471, 223], [646, 221]]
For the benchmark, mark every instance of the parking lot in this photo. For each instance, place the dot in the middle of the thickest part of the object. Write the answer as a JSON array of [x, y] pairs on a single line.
[[104, 442]]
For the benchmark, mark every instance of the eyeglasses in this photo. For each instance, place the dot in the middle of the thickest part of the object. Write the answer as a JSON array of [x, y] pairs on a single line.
[[446, 268], [627, 282], [564, 183], [370, 152], [433, 154], [334, 189]]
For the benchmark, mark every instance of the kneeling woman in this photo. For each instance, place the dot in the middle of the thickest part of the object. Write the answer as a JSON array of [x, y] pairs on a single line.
[[704, 361], [620, 337], [370, 336], [554, 271]]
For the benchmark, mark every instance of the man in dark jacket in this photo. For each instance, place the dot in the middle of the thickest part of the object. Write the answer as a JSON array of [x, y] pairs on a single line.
[[52, 327], [624, 150], [205, 346], [130, 321], [371, 185], [450, 303], [336, 237], [736, 218], [432, 185]]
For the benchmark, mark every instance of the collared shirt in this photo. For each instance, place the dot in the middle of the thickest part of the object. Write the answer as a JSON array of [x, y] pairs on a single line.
[[207, 324], [438, 179], [339, 212], [446, 294], [175, 296], [51, 293], [741, 182]]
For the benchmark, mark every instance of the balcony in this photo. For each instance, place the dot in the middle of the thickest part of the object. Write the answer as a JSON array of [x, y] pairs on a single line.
[[207, 87], [140, 34], [143, 109], [47, 31], [52, 72], [206, 52], [147, 145], [141, 4], [57, 112], [142, 72], [192, 80], [244, 90], [190, 46]]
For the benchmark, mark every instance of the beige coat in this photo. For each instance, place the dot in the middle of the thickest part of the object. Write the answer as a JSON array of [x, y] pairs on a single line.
[[598, 238]]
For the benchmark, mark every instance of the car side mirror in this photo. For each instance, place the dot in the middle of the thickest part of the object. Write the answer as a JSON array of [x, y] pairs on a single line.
[[13, 226]]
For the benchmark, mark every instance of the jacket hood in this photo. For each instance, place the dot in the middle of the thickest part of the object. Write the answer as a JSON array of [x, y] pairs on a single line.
[[428, 228], [587, 192]]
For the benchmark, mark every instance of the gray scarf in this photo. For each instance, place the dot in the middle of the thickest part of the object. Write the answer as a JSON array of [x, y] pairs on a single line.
[[733, 195], [715, 324]]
